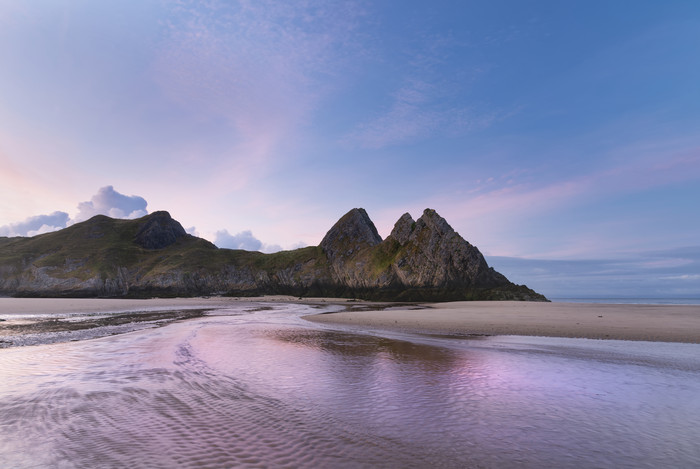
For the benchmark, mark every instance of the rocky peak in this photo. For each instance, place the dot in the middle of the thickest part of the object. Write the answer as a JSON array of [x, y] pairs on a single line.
[[440, 256], [158, 230], [431, 220], [403, 228], [352, 232], [430, 232]]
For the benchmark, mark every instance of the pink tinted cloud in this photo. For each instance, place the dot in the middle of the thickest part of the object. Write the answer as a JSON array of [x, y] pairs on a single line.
[[258, 67], [254, 64]]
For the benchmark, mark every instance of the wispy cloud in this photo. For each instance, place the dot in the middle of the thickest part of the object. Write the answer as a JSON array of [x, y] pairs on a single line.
[[257, 65], [418, 110], [432, 96]]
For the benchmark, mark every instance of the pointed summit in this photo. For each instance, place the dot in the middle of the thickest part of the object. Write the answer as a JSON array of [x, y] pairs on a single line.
[[352, 232], [403, 228], [158, 230], [422, 260], [434, 222], [439, 256]]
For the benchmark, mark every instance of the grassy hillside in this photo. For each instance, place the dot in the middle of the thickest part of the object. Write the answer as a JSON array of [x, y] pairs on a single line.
[[153, 256]]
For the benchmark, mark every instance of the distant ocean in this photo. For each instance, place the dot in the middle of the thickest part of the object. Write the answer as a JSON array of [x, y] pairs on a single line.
[[631, 301]]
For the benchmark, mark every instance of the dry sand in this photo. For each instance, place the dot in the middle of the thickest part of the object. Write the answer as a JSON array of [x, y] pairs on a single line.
[[661, 323]]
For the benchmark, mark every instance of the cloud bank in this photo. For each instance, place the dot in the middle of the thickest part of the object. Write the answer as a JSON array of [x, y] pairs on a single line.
[[35, 225], [106, 201], [109, 202], [243, 240]]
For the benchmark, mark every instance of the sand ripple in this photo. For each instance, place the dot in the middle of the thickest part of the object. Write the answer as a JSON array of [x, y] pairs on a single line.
[[267, 390]]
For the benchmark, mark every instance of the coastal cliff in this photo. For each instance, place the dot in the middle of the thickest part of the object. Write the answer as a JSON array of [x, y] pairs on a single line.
[[422, 260]]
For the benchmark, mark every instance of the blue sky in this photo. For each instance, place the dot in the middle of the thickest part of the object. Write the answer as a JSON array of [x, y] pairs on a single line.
[[561, 138]]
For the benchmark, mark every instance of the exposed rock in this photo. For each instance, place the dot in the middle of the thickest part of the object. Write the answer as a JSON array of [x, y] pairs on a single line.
[[159, 231], [352, 232], [403, 228], [423, 260], [439, 256]]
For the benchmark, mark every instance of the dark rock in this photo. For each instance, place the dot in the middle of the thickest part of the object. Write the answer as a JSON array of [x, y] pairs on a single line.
[[423, 260], [403, 228], [158, 231], [352, 232]]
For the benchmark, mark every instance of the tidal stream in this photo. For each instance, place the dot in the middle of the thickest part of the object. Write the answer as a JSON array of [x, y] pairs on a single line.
[[256, 385]]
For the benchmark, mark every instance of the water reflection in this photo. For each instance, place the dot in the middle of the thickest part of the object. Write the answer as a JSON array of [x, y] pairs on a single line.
[[356, 345], [267, 390]]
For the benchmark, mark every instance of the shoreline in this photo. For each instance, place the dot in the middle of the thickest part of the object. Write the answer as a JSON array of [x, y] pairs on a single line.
[[638, 322], [38, 321], [29, 306]]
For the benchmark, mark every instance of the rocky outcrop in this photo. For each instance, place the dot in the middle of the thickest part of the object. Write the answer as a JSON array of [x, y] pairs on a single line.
[[433, 254], [153, 256], [403, 228], [420, 260], [353, 232], [158, 231]]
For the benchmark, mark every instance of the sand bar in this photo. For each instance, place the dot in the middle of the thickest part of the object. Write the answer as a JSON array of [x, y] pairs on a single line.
[[664, 323], [661, 323], [23, 306], [36, 321]]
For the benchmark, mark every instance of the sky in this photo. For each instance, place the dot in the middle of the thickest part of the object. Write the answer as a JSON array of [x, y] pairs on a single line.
[[560, 138]]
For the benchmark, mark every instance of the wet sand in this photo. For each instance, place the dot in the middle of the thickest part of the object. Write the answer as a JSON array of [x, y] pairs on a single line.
[[660, 323], [34, 321], [101, 305]]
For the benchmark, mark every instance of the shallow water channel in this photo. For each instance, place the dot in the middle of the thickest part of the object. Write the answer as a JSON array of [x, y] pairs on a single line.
[[257, 386]]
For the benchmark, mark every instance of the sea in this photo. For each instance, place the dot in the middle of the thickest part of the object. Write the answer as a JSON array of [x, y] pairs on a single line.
[[256, 385]]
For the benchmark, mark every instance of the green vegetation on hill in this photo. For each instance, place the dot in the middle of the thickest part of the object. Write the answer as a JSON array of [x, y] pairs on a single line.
[[153, 256]]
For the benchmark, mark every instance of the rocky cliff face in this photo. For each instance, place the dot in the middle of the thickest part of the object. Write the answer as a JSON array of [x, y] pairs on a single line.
[[418, 260], [154, 256], [344, 245], [158, 231], [433, 253]]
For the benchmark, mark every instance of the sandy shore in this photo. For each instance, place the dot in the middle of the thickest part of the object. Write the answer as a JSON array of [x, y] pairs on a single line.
[[34, 321], [10, 306], [661, 323], [664, 323]]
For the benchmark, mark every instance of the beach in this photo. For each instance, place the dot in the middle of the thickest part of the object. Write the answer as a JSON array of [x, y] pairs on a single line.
[[647, 322], [659, 323], [34, 321], [23, 306], [226, 382]]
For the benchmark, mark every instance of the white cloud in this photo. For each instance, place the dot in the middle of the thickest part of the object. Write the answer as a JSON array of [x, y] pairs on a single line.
[[109, 202], [36, 225], [244, 240], [270, 248], [106, 201], [43, 229]]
